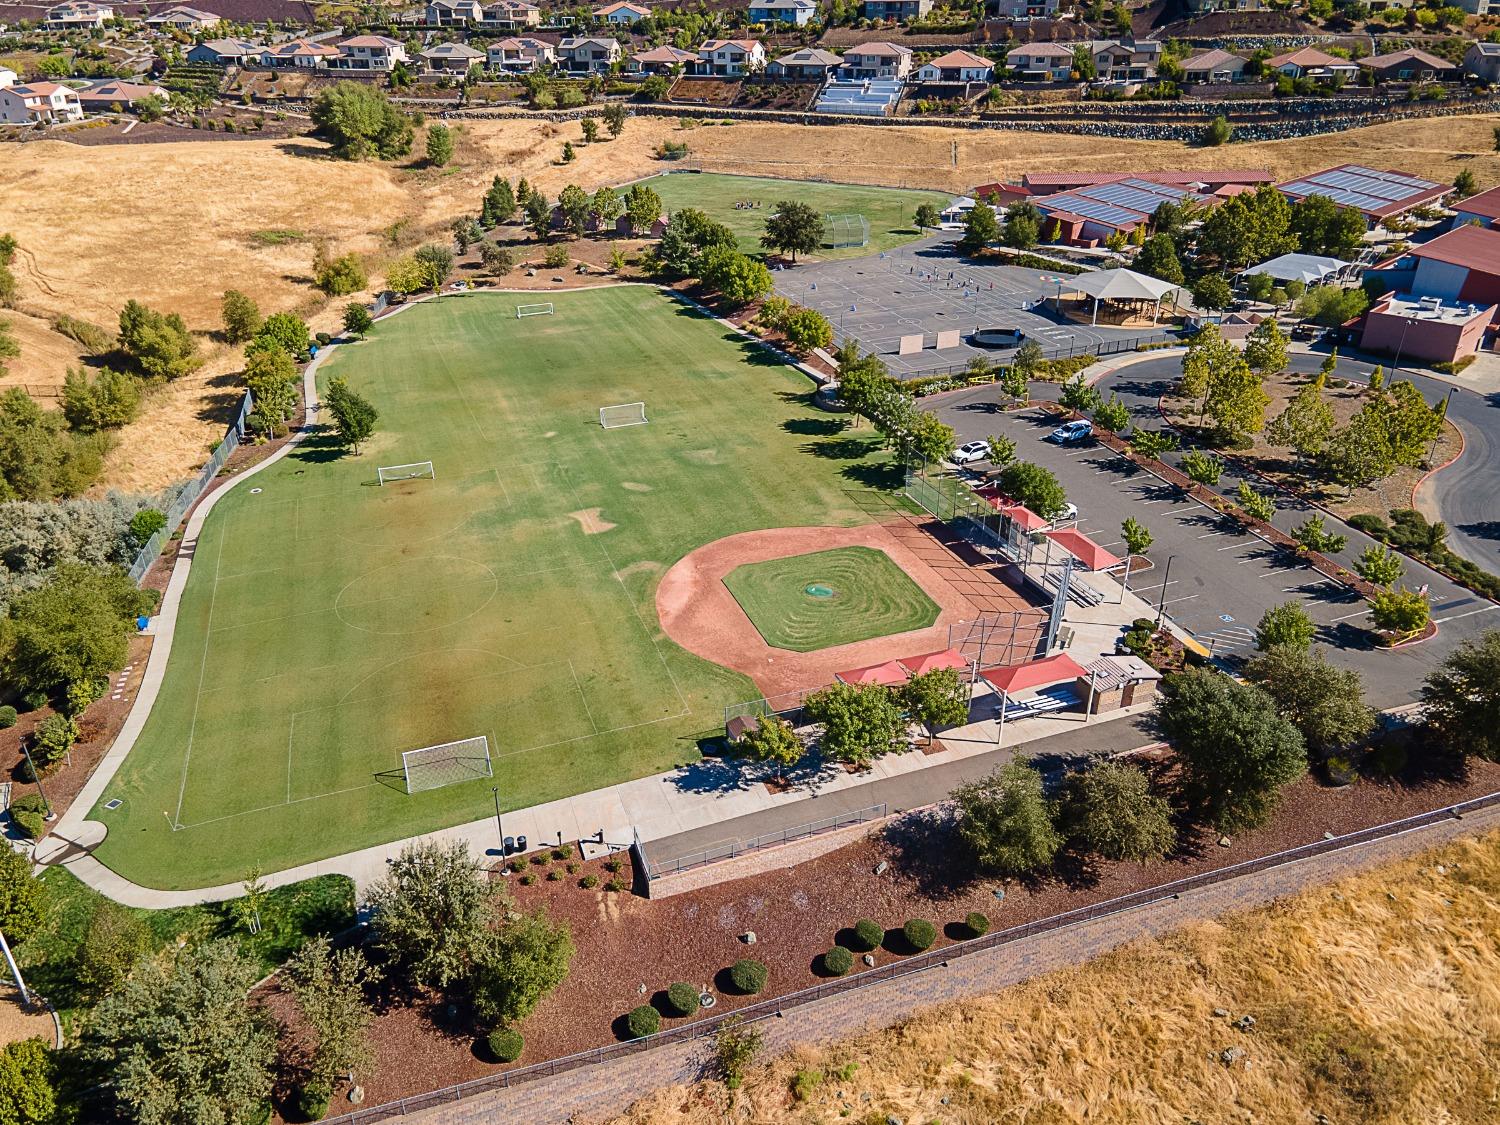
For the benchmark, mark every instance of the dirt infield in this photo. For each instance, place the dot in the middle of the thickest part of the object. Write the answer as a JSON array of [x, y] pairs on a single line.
[[698, 612]]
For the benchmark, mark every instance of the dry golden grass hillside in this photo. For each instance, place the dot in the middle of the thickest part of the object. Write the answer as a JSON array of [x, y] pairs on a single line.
[[176, 224], [1376, 1000]]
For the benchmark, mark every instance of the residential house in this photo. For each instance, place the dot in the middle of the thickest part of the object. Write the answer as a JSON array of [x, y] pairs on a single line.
[[452, 58], [730, 58], [78, 14], [1309, 62], [453, 13], [1126, 60], [1213, 68], [1480, 7], [661, 60], [301, 54], [1041, 62], [586, 54], [189, 20], [622, 13], [877, 60], [1025, 9], [376, 53], [903, 11], [225, 52], [101, 97], [797, 12], [1482, 209], [38, 103], [7, 77], [510, 13], [1483, 61], [521, 56], [1203, 7], [956, 66], [1410, 65], [806, 65]]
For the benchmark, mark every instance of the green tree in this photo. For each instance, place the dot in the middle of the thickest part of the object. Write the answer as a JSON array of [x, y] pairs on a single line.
[[1251, 227], [406, 275], [114, 940], [498, 260], [1306, 422], [1212, 292], [539, 215], [927, 217], [1083, 64], [793, 228], [1331, 306], [860, 722], [1260, 286], [73, 628], [438, 261], [1152, 444], [1399, 611], [642, 207], [575, 205], [1311, 535], [241, 316], [39, 459], [1461, 698], [432, 911], [1034, 488], [1323, 702], [1005, 818], [1257, 505], [329, 986], [1021, 231], [614, 118], [357, 319], [689, 234], [1137, 539], [1208, 355], [981, 228], [354, 417], [590, 130], [1236, 400], [773, 741], [1465, 183], [1236, 751], [1324, 227], [608, 206], [938, 698], [271, 375], [738, 278], [1113, 415], [1378, 565], [28, 1084], [1266, 348], [1109, 809], [1202, 467], [341, 276], [499, 204], [517, 965], [109, 400], [9, 349], [23, 898], [286, 331], [1218, 132], [360, 122], [1285, 626], [1079, 395], [159, 345], [1158, 258], [806, 329], [182, 1042]]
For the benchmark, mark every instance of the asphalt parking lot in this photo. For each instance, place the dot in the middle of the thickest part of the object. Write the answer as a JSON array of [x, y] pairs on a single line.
[[926, 287], [1221, 579]]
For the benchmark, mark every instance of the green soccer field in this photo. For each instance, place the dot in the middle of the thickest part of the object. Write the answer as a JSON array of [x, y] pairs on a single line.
[[826, 598], [330, 624], [889, 210]]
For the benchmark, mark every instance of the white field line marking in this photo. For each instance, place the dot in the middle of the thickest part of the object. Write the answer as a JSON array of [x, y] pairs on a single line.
[[187, 754]]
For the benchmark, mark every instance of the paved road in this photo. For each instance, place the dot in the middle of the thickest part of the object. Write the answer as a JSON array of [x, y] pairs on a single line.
[[1222, 579]]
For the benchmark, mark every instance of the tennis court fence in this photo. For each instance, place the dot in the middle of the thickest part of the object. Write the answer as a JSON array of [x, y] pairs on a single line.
[[194, 488]]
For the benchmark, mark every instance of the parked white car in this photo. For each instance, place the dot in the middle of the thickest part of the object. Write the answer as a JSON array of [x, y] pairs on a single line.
[[971, 451]]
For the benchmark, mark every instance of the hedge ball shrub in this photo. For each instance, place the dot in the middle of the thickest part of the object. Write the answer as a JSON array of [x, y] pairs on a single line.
[[589, 882], [920, 933], [505, 1044], [682, 998], [838, 960], [312, 1101], [749, 976], [867, 935], [977, 923], [27, 811], [643, 1021], [7, 717]]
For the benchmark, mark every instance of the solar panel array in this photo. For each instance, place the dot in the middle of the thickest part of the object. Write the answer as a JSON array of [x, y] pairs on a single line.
[[1365, 188], [1117, 204]]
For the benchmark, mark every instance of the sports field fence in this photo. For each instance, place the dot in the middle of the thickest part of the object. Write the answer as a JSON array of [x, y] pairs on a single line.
[[842, 231], [194, 488], [1097, 348], [731, 848], [778, 1007]]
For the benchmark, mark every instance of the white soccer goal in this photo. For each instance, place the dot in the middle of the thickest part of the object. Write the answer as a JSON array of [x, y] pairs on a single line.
[[543, 309], [448, 763], [625, 414], [415, 471]]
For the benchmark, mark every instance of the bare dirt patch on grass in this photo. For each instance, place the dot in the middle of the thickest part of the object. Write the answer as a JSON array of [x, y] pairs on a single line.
[[592, 521], [1282, 466]]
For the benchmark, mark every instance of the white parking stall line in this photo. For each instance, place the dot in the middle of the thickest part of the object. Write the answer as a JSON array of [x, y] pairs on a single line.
[[1236, 546], [1144, 589], [1159, 500], [1350, 616], [1471, 613], [1213, 534], [1184, 598]]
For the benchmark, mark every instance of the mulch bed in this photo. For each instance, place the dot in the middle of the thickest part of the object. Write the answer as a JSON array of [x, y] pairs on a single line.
[[630, 948]]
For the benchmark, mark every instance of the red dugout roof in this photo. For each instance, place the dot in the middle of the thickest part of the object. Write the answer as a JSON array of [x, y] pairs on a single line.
[[890, 674], [927, 662], [1049, 670], [1082, 548]]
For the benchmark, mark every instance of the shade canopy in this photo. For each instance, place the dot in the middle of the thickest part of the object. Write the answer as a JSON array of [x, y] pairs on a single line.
[[928, 662], [890, 674], [1122, 285], [1049, 670], [1306, 268], [1023, 517], [1082, 548]]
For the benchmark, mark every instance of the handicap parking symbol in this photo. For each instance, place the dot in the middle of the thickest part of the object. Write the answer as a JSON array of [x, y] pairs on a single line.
[[1224, 617]]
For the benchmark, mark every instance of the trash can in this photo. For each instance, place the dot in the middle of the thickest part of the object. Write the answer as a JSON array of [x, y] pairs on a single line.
[[520, 843], [510, 845]]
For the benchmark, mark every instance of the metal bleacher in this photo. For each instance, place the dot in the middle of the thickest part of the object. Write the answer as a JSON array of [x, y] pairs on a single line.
[[1057, 698], [869, 97]]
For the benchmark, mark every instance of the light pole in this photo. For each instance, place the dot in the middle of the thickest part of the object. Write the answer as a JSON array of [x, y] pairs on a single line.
[[499, 827], [1396, 367], [36, 776], [1161, 602], [1432, 452]]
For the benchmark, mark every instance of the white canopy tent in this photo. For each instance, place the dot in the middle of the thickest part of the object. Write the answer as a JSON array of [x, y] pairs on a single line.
[[1122, 285], [1310, 269]]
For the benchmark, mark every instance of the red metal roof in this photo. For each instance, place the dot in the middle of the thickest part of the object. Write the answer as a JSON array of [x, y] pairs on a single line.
[[1049, 670], [1082, 548], [890, 673], [927, 662], [1477, 248], [1007, 507], [1486, 203]]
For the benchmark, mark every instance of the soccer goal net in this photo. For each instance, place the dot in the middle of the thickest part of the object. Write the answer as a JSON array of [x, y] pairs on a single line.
[[845, 230], [390, 473], [625, 414], [543, 309], [449, 763]]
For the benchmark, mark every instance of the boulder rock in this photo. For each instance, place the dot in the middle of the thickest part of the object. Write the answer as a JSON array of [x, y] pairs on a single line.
[[748, 937], [882, 867]]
